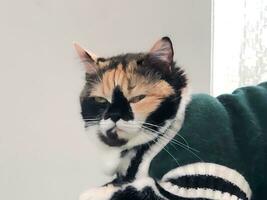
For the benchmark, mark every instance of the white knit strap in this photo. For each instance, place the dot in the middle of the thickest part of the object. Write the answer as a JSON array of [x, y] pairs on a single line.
[[199, 193], [197, 171]]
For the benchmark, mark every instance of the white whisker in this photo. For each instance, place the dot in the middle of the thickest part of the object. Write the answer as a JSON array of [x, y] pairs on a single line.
[[145, 123], [177, 143], [166, 151]]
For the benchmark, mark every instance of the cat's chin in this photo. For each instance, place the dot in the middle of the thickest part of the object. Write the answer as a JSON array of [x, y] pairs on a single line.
[[122, 141], [112, 141]]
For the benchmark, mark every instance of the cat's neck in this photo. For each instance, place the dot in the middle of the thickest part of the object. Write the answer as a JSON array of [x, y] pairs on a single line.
[[123, 162], [135, 162]]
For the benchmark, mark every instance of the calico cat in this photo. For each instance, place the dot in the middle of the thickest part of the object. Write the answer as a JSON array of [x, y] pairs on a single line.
[[133, 105]]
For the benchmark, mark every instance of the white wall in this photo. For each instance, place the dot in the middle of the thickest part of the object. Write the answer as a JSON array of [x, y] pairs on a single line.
[[44, 153]]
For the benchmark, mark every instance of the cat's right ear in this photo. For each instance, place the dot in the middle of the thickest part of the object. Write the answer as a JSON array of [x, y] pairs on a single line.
[[161, 54], [87, 58]]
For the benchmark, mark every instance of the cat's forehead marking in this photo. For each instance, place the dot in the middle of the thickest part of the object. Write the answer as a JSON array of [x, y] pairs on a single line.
[[131, 83], [110, 79]]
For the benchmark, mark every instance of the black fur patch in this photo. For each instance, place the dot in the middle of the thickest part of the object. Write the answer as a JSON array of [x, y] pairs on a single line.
[[112, 141], [167, 110], [130, 193], [119, 108], [135, 162], [92, 109]]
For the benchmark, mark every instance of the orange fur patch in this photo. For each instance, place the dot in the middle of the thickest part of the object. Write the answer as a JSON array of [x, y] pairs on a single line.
[[133, 85]]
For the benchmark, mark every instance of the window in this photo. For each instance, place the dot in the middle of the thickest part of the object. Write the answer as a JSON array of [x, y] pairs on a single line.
[[240, 44]]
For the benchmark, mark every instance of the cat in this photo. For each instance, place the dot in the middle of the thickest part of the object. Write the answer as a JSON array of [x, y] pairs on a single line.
[[131, 103]]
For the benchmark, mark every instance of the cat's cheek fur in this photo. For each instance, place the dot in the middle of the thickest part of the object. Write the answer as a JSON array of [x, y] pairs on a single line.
[[128, 129]]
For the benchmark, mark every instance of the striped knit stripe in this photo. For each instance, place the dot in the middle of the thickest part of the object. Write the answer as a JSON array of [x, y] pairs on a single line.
[[208, 182], [212, 170], [170, 195], [192, 194]]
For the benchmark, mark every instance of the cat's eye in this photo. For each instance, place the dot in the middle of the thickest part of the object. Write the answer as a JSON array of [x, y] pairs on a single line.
[[100, 99], [137, 98]]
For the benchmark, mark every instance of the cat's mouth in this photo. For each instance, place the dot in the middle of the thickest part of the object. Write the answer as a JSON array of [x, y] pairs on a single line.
[[111, 138]]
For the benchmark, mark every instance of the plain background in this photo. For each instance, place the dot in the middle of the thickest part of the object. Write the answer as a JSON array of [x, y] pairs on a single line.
[[44, 152]]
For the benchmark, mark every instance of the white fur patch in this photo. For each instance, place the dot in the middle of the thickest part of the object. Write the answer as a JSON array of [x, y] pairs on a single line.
[[105, 125], [125, 162], [110, 156]]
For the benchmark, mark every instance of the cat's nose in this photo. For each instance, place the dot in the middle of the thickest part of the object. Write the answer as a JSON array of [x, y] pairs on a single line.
[[114, 116]]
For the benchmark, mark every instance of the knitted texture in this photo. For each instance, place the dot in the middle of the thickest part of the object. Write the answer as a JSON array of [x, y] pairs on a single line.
[[230, 130]]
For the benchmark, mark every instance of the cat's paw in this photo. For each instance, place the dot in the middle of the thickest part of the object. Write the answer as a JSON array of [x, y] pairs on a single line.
[[99, 193]]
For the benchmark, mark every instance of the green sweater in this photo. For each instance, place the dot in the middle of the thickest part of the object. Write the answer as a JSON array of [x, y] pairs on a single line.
[[229, 130]]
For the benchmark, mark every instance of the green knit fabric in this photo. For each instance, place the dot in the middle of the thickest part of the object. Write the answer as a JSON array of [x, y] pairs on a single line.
[[230, 130]]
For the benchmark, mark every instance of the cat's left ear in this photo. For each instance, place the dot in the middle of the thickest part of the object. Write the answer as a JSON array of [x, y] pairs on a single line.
[[162, 52], [88, 58]]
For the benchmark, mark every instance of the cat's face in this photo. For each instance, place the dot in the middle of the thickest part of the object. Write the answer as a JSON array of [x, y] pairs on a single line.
[[129, 99]]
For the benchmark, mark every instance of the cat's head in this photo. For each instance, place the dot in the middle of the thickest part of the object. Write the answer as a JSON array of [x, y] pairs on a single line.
[[131, 99]]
